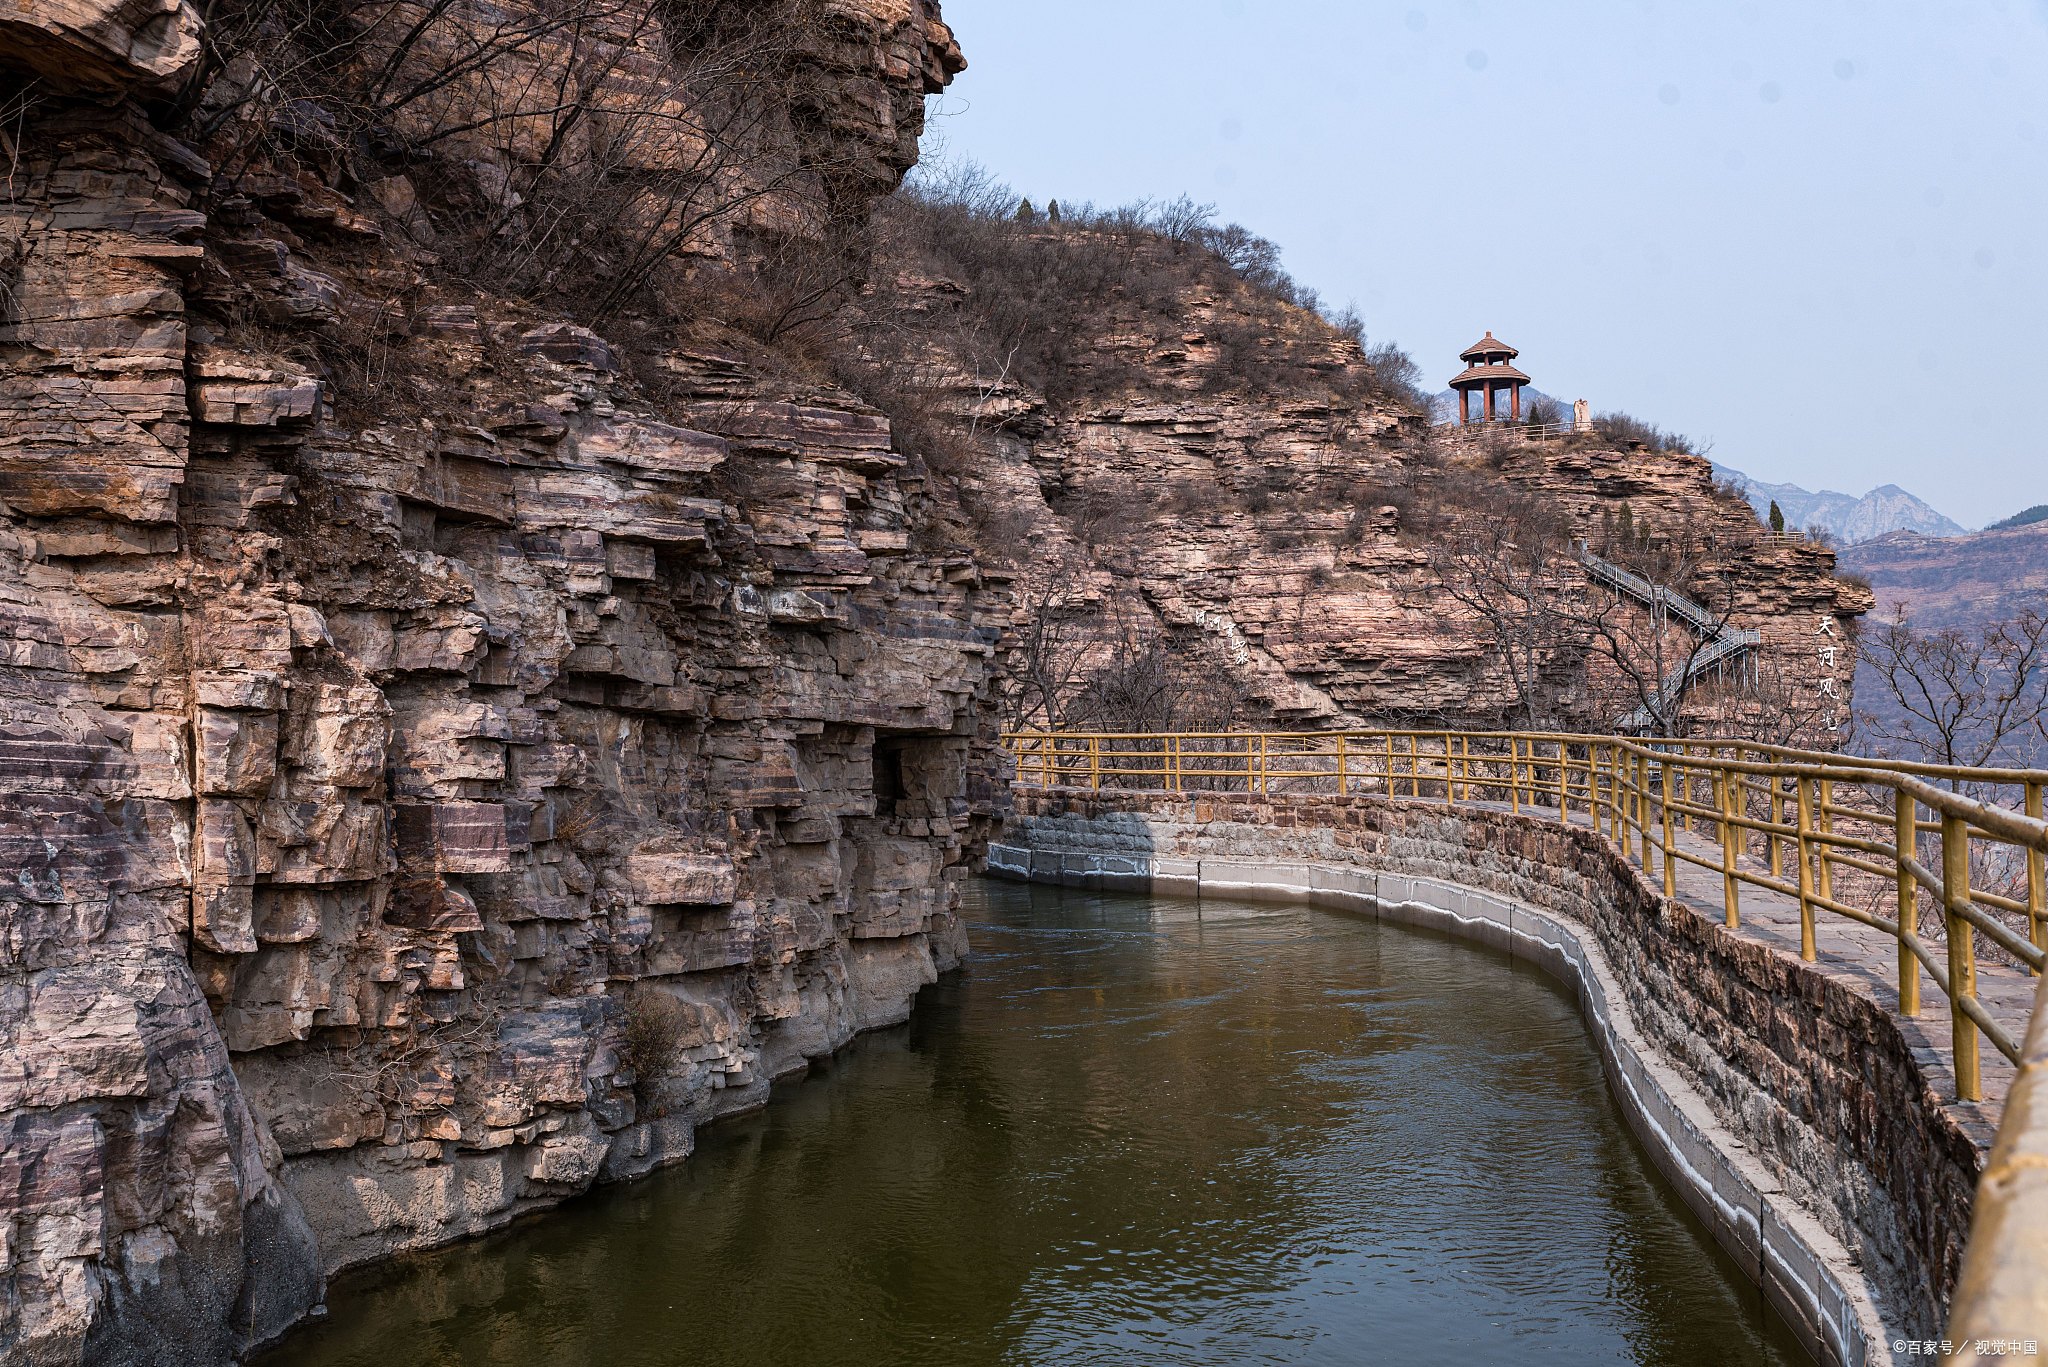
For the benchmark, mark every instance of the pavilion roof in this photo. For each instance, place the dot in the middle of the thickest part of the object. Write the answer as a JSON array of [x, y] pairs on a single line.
[[1486, 346], [1473, 376]]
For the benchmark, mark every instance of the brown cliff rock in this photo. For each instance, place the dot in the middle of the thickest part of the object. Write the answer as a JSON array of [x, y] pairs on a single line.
[[1216, 503], [104, 46], [379, 748]]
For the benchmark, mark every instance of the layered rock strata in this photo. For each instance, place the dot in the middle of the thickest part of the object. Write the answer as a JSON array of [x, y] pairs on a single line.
[[387, 767], [1232, 476]]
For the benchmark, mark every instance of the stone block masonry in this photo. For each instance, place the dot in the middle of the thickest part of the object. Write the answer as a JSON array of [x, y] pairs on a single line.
[[1786, 1107]]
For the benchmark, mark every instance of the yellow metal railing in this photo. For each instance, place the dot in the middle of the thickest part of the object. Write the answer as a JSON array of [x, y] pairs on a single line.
[[1845, 836], [1842, 835]]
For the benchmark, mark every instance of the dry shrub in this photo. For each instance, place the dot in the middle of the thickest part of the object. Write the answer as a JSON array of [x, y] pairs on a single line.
[[588, 822], [652, 1043], [1623, 429], [1194, 496]]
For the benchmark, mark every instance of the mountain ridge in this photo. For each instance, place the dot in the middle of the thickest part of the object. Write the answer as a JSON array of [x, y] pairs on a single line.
[[1955, 581], [1847, 518]]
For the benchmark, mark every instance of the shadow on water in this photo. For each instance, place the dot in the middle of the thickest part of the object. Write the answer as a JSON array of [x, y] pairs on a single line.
[[1133, 1130]]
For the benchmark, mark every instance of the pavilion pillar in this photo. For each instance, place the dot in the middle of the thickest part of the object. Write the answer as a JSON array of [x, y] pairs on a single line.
[[1464, 407], [1515, 402], [1492, 411]]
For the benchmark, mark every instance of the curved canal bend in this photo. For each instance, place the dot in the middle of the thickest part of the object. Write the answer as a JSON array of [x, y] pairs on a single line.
[[1129, 1131]]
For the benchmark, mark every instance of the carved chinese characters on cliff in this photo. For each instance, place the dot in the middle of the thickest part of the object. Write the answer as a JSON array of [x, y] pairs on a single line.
[[1828, 643]]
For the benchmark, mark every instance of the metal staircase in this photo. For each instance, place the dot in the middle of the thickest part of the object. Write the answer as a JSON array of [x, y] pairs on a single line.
[[1724, 643]]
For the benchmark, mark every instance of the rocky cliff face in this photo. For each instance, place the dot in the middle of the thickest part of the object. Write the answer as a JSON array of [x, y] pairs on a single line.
[[481, 689], [429, 787], [1223, 508]]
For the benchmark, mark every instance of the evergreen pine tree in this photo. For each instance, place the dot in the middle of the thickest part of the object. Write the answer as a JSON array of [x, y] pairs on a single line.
[[1777, 517], [1052, 212]]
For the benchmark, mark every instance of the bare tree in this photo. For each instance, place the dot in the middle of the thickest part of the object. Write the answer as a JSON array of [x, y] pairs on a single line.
[[1050, 638], [576, 149], [1512, 574], [1766, 701], [1144, 679], [1079, 657], [1950, 695], [1657, 623]]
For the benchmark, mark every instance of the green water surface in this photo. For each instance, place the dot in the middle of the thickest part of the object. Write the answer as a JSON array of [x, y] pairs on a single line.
[[1131, 1131]]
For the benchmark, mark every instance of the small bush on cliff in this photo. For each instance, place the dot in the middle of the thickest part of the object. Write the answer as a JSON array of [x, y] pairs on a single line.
[[1621, 428], [652, 1043]]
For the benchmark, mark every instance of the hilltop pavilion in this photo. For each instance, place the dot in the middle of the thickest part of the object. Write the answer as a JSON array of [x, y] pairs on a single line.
[[1488, 372]]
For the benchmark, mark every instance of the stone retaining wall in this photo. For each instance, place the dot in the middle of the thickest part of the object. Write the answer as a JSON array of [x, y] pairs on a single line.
[[1786, 1108]]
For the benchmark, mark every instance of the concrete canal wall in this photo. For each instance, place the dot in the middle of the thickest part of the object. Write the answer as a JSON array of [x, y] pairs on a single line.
[[1787, 1109]]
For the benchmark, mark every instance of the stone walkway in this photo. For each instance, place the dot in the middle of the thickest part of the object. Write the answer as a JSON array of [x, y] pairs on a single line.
[[1866, 959]]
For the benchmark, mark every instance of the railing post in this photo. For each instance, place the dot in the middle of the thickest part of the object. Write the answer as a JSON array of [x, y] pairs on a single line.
[[1827, 828], [1610, 781], [1610, 794], [1390, 766], [1805, 794], [1631, 804], [1643, 804], [1906, 838], [1743, 788], [1175, 760], [1343, 783], [1596, 776], [1606, 798], [1095, 763], [1670, 860], [1415, 764], [1592, 794], [1731, 894], [1624, 781], [1262, 764], [1514, 774], [1631, 809], [1777, 819], [2037, 878], [1962, 955]]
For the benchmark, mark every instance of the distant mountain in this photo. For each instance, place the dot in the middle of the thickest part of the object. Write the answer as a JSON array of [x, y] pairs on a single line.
[[1849, 520], [1956, 580]]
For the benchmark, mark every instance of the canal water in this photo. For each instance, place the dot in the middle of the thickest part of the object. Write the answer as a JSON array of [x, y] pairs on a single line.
[[1132, 1131]]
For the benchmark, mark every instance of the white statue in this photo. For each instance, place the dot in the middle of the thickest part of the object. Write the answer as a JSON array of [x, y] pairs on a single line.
[[1582, 416]]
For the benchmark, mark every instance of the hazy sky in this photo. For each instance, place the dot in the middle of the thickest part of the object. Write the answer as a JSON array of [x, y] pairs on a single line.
[[1806, 231]]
